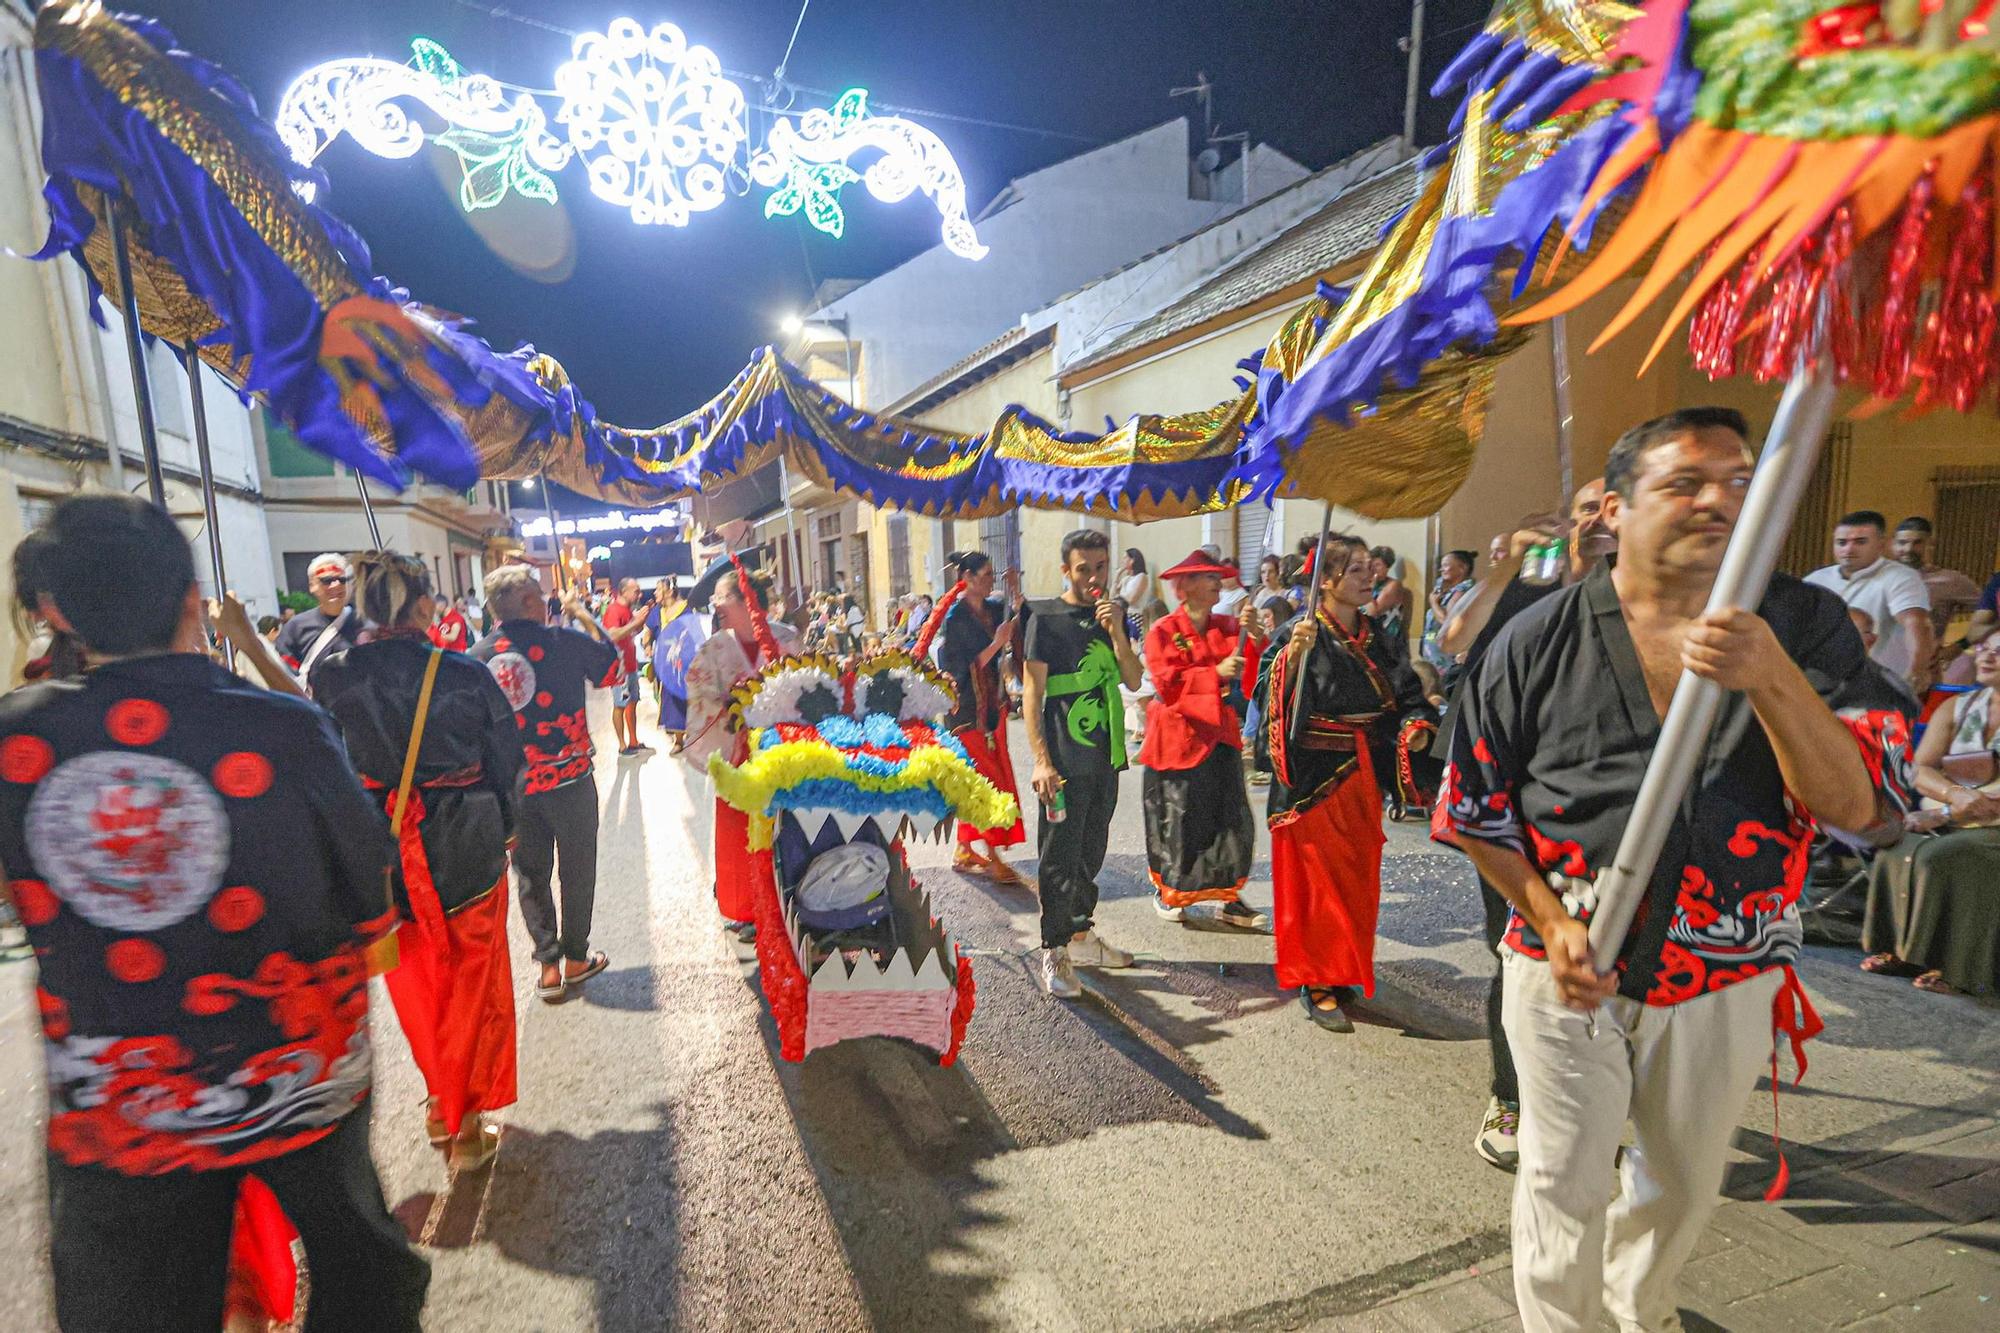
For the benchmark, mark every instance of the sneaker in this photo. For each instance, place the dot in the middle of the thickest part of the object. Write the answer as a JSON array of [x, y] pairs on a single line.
[[1056, 975], [1242, 915], [1496, 1142], [1092, 951], [1165, 912]]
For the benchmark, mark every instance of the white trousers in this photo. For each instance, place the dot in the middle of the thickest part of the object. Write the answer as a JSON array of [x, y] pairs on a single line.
[[1681, 1074]]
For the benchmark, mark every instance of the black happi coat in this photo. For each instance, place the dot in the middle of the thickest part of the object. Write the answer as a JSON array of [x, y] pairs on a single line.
[[468, 770], [981, 700]]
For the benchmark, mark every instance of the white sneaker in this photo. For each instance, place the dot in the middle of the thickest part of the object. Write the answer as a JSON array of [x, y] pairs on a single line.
[[1496, 1142], [1058, 978], [1092, 951]]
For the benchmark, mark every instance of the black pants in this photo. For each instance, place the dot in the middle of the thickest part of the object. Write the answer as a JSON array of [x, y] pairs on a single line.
[[1072, 852], [150, 1254], [563, 821], [1505, 1086]]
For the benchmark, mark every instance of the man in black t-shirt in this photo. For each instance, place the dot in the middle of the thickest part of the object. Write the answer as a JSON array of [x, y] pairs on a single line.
[[543, 671], [307, 639], [1076, 656]]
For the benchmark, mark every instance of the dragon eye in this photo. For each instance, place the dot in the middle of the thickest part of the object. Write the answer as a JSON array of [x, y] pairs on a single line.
[[800, 693], [895, 686]]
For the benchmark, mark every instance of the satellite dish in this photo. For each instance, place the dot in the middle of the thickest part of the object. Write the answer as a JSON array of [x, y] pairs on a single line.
[[1208, 161]]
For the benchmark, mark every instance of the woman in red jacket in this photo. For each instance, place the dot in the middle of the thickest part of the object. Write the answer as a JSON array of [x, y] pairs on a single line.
[[1200, 832]]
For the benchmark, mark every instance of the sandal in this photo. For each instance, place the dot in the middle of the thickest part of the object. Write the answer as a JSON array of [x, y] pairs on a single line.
[[1887, 964], [552, 994], [434, 1127], [594, 964], [475, 1145], [1933, 983], [967, 862], [1003, 873]]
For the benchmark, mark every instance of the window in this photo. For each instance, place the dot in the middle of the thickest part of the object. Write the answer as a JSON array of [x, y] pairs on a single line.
[[1809, 545], [1968, 519], [899, 555], [168, 379]]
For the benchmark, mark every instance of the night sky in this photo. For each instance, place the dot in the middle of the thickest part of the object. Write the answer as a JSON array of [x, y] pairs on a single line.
[[651, 321]]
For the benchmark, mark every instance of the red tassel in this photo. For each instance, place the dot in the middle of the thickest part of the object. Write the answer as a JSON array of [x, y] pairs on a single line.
[[1846, 339], [1720, 324], [921, 649], [1957, 351], [961, 1012], [767, 642], [1902, 287], [1789, 318]]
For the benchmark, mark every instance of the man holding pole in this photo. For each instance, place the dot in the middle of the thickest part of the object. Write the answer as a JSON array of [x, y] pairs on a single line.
[[1546, 760]]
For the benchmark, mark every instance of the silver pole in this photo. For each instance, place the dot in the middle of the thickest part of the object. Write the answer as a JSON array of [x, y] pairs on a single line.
[[1312, 598], [796, 554], [1565, 412], [1790, 453], [555, 531], [368, 509], [135, 353], [193, 363], [1410, 81]]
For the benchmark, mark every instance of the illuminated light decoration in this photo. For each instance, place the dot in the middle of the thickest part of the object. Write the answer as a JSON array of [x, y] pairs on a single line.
[[667, 121], [653, 119], [501, 145], [808, 167], [617, 520]]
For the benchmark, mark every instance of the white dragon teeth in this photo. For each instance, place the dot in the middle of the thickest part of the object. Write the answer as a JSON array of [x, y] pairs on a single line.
[[815, 822]]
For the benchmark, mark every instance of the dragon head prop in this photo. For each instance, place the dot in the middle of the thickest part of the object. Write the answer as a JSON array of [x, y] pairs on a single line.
[[841, 756]]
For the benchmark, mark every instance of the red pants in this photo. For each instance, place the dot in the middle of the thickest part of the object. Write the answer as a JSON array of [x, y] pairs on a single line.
[[454, 997], [1326, 886], [988, 752]]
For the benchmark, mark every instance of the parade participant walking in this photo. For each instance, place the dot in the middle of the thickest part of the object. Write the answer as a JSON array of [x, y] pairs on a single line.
[[544, 670], [731, 655], [1325, 805], [1558, 725], [977, 630], [329, 626], [212, 1031], [434, 738], [681, 633], [1200, 832], [622, 625], [1076, 656]]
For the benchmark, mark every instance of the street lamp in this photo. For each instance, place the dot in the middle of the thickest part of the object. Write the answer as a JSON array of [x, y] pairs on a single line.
[[795, 325]]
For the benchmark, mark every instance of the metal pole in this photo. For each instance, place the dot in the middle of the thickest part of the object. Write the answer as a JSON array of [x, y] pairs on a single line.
[[193, 363], [368, 509], [791, 525], [1312, 599], [1410, 81], [555, 531], [1565, 411], [1790, 453], [142, 387]]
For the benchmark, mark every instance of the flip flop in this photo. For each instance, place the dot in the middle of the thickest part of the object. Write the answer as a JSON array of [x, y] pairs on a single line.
[[552, 994], [1933, 983], [596, 963], [434, 1128], [1003, 873]]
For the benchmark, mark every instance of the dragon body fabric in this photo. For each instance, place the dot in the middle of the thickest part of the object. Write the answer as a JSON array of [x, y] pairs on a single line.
[[1784, 156], [841, 764]]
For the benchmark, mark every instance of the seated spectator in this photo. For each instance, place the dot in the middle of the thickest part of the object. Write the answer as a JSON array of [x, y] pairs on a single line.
[[1934, 899], [1951, 592]]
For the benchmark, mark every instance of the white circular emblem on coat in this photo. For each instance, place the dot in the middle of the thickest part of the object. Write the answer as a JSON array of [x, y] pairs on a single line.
[[516, 675], [132, 842]]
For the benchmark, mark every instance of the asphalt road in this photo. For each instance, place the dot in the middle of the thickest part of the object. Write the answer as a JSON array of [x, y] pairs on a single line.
[[1179, 1150]]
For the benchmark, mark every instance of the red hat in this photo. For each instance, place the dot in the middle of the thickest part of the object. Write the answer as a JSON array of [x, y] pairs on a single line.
[[1199, 562]]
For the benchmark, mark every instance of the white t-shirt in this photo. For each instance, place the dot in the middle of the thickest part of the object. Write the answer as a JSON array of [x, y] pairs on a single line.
[[1884, 590], [1231, 599]]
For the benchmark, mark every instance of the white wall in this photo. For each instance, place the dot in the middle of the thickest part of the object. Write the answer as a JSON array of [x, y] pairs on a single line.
[[1065, 225]]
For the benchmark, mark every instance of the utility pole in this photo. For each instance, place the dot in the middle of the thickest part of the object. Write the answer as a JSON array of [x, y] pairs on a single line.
[[1414, 45]]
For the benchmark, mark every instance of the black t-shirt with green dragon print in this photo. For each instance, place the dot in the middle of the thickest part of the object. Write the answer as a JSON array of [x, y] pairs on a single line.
[[1078, 724]]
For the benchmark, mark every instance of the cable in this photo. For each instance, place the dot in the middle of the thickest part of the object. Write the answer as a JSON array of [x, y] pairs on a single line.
[[786, 59]]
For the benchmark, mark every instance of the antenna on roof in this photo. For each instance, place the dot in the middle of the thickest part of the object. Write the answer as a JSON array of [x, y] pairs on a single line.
[[1203, 92]]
